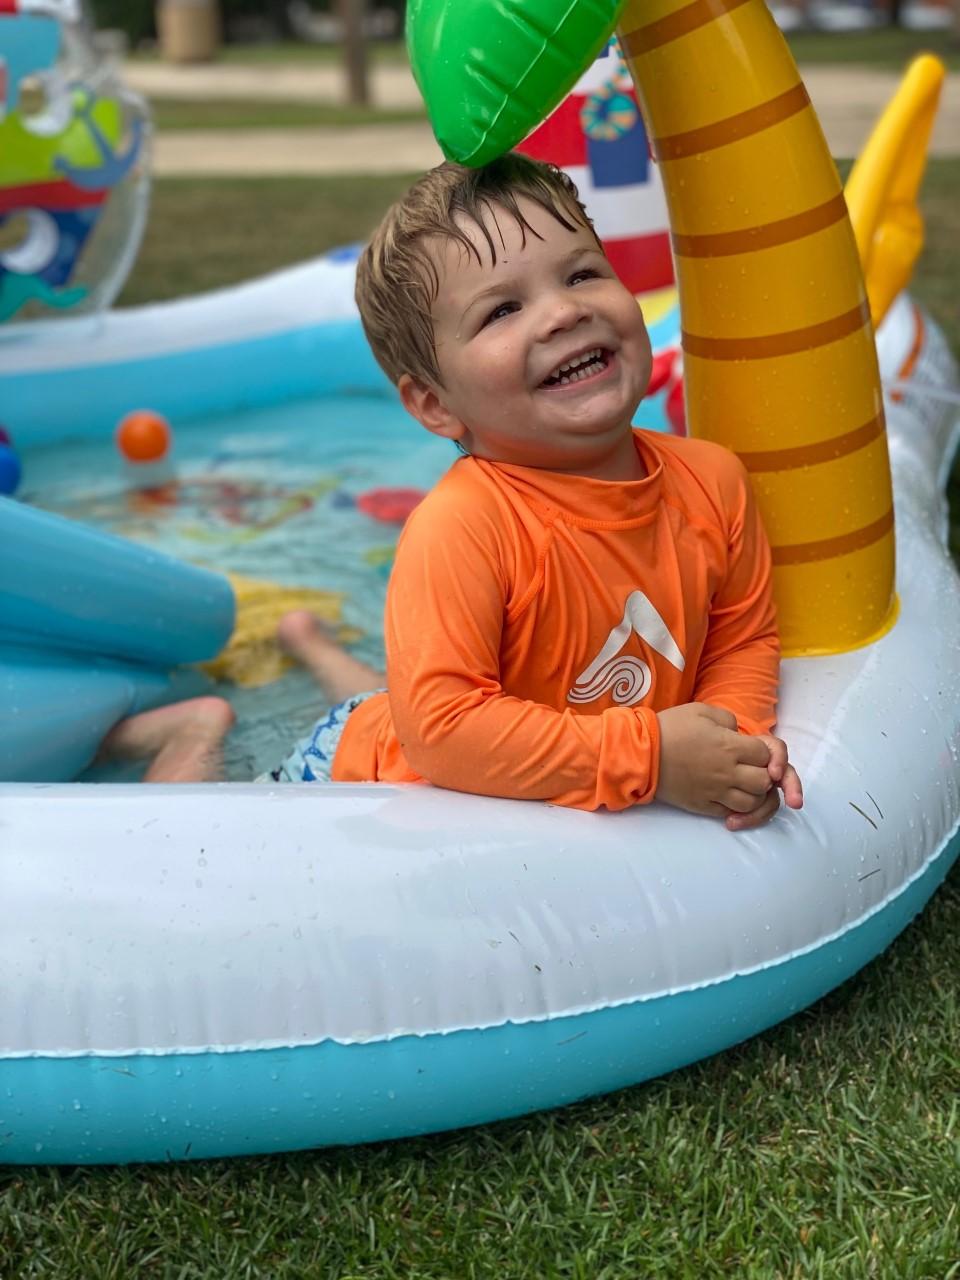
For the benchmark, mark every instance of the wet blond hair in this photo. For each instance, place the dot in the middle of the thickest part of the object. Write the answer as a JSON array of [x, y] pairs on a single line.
[[397, 276]]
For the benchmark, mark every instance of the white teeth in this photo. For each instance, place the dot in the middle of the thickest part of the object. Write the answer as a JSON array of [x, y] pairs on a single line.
[[580, 367], [582, 371], [572, 364]]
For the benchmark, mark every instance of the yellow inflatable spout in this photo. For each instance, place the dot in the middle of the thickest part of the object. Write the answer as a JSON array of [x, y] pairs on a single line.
[[779, 356], [883, 185]]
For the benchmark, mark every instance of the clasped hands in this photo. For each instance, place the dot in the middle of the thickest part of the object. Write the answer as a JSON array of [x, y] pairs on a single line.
[[708, 767]]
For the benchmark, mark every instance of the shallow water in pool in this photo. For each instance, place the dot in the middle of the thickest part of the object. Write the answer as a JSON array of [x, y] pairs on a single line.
[[293, 494]]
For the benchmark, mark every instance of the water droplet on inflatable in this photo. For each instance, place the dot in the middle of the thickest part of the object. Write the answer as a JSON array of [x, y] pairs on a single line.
[[77, 1104]]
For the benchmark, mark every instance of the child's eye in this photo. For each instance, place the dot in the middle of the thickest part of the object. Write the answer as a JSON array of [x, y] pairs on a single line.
[[585, 273], [499, 311]]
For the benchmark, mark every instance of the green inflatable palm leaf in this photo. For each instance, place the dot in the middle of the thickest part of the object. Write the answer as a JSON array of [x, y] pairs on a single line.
[[491, 70]]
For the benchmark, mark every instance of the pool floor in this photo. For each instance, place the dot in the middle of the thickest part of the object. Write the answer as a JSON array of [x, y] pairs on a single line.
[[308, 494]]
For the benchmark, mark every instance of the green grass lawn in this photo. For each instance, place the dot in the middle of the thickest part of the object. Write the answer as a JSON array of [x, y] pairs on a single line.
[[888, 49], [242, 227], [826, 1149]]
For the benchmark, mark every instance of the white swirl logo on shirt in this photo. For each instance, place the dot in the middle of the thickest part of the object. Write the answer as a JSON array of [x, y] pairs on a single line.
[[625, 678]]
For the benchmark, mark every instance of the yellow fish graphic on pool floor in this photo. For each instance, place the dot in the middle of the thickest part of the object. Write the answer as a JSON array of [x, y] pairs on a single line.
[[252, 657]]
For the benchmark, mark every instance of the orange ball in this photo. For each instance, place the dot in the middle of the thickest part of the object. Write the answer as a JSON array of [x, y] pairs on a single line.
[[143, 436]]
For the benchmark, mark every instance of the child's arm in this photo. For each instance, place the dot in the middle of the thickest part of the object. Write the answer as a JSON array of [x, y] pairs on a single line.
[[740, 664], [739, 667]]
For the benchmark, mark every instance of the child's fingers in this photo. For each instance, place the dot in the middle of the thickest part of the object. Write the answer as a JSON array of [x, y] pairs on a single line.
[[741, 802], [752, 779], [754, 749], [792, 788], [778, 756], [719, 715], [763, 813]]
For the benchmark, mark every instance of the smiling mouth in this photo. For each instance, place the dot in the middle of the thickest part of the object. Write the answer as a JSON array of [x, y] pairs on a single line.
[[579, 369]]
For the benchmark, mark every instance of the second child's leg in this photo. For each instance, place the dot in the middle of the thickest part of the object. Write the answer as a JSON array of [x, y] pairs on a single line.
[[304, 637], [183, 741]]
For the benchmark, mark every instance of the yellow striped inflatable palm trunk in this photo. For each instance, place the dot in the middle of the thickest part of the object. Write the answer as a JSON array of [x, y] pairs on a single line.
[[779, 356]]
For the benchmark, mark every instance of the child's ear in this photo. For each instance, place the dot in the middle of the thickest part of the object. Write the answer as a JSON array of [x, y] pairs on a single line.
[[423, 402]]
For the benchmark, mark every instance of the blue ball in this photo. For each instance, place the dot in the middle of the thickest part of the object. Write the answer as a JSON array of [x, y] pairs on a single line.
[[10, 470]]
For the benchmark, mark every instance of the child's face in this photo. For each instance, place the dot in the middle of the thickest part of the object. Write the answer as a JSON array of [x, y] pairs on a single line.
[[505, 332]]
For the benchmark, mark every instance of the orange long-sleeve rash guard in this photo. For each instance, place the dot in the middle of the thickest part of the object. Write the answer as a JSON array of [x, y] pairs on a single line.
[[536, 622]]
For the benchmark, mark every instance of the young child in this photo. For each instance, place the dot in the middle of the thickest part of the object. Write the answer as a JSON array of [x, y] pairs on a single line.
[[578, 612]]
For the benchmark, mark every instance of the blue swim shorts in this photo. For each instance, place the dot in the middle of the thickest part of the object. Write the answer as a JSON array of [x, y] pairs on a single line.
[[311, 760]]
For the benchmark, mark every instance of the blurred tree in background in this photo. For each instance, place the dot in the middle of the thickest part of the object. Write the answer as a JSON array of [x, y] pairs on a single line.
[[242, 19], [133, 17]]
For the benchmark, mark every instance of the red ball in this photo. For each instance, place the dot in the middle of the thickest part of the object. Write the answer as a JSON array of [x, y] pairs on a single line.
[[143, 436], [5, 436]]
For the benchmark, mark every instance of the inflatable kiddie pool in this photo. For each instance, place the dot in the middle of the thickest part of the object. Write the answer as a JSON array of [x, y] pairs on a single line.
[[209, 970]]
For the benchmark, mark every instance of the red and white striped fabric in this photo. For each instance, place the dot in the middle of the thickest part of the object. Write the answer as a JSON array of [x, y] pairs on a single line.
[[597, 135], [64, 10]]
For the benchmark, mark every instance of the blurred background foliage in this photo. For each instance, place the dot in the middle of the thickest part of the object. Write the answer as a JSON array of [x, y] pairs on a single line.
[[242, 19]]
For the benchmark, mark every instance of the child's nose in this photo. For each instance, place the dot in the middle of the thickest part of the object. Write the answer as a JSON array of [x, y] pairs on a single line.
[[563, 312]]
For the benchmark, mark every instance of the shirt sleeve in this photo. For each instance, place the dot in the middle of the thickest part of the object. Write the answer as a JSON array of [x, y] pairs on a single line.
[[740, 664], [455, 724]]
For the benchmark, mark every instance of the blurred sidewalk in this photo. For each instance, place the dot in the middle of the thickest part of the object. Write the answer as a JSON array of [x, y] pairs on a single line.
[[848, 100], [390, 86]]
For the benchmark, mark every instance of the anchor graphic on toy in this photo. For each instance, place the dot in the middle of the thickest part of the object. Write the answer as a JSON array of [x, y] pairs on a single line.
[[113, 168]]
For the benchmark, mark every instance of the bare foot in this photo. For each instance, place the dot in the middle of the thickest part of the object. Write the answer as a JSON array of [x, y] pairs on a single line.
[[182, 740], [302, 635]]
